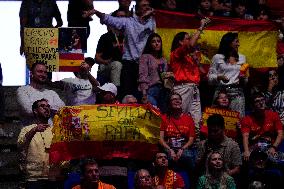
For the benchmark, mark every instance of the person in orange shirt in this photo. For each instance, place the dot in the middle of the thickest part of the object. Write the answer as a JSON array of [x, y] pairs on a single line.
[[185, 64], [90, 180]]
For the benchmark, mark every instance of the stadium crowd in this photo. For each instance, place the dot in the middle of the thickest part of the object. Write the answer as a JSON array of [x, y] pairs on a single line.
[[132, 69]]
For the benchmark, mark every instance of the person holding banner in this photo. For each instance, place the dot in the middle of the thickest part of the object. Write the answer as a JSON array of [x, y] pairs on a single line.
[[228, 71], [185, 65], [34, 143], [81, 89], [177, 134]]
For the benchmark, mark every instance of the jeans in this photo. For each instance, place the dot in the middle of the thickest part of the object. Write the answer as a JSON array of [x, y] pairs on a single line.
[[157, 95]]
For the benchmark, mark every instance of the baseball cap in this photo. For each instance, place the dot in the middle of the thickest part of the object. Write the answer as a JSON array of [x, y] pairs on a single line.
[[109, 87]]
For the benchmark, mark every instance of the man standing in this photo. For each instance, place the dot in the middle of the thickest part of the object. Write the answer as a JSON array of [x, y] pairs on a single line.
[[26, 95], [90, 177], [75, 12], [34, 142], [38, 14], [136, 30], [164, 176]]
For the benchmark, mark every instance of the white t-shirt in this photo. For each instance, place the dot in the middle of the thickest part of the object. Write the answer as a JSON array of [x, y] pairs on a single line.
[[220, 67], [27, 95], [79, 91]]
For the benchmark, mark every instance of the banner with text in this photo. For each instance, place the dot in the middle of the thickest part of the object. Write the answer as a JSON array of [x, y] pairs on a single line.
[[41, 45], [231, 118], [105, 132]]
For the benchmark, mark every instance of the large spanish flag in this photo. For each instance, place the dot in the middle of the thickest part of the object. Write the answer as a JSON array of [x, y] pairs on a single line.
[[105, 132], [257, 38]]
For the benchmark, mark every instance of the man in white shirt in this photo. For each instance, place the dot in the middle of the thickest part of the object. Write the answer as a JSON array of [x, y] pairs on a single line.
[[28, 94], [81, 89]]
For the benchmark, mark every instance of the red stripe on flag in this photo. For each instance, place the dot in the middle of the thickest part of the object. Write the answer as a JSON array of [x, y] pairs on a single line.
[[71, 56], [69, 68], [64, 151], [175, 20]]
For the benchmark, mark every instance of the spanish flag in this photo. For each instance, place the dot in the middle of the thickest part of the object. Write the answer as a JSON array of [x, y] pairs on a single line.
[[258, 39], [70, 62]]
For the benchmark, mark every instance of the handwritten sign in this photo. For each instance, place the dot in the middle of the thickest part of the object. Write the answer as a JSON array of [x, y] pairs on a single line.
[[231, 118], [41, 45], [105, 131]]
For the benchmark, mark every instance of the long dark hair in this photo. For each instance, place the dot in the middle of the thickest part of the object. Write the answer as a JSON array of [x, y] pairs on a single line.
[[178, 37], [148, 47], [225, 43], [170, 110]]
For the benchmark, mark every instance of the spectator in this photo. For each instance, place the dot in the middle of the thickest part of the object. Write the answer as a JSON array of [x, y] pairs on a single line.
[[186, 69], [205, 8], [129, 99], [216, 174], [177, 134], [109, 54], [81, 89], [163, 176], [143, 180], [124, 6], [263, 13], [219, 142], [91, 176], [108, 93], [75, 12], [261, 126], [136, 29], [151, 67], [222, 7], [274, 92], [221, 100], [240, 11], [26, 95], [34, 142], [169, 5], [38, 14], [225, 71], [261, 169]]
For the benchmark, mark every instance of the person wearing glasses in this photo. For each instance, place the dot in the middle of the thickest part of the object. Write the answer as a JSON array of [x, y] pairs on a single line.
[[261, 127]]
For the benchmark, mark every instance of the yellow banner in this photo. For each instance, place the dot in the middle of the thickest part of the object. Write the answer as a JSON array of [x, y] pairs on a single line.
[[231, 118], [107, 122], [258, 47], [41, 45]]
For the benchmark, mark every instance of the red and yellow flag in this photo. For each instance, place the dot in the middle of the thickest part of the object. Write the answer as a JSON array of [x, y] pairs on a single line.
[[105, 132], [258, 39], [70, 62]]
